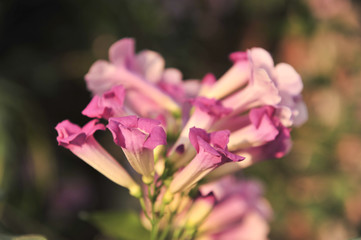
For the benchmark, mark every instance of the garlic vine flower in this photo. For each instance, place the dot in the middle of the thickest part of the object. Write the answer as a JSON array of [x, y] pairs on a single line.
[[82, 143], [186, 138], [138, 137]]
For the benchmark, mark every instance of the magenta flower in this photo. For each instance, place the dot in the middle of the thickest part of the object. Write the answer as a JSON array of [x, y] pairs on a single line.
[[138, 137], [211, 153], [276, 148], [109, 104], [206, 112], [82, 143]]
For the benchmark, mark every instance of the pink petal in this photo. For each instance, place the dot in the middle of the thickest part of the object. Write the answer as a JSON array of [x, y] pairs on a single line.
[[220, 138], [260, 58], [110, 104], [194, 133], [288, 80], [82, 143], [238, 56], [150, 64], [121, 53], [71, 134], [212, 107], [156, 137], [101, 77]]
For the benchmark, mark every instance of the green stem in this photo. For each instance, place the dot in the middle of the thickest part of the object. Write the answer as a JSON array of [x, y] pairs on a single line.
[[178, 233], [168, 227], [142, 204], [155, 230], [155, 219]]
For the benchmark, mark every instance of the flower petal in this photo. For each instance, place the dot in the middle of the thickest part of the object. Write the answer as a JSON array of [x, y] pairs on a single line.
[[151, 65], [121, 53]]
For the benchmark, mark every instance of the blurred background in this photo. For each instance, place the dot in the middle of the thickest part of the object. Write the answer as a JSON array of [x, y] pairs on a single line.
[[46, 47]]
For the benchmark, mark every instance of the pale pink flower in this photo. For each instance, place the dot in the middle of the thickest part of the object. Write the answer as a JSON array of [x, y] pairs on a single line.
[[252, 227], [83, 144], [261, 88], [135, 72], [290, 86], [211, 153], [240, 206], [138, 137], [279, 86]]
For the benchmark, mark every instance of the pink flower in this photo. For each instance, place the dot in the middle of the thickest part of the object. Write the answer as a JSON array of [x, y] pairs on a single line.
[[235, 78], [252, 227], [261, 88], [279, 86], [211, 153], [138, 137], [82, 143], [199, 210], [263, 127], [138, 73], [240, 205], [276, 148], [109, 104], [290, 85], [206, 112]]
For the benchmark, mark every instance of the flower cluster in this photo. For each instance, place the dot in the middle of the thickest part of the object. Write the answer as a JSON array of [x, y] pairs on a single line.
[[185, 138]]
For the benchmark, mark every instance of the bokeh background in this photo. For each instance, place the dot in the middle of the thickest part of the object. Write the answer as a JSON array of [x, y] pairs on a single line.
[[46, 47]]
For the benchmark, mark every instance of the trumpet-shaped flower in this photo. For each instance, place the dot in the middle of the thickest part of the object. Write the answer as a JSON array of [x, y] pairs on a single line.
[[109, 104], [252, 227], [276, 148], [207, 111], [237, 201], [138, 137], [136, 72], [83, 144], [261, 88], [211, 153], [249, 112], [263, 127], [279, 86]]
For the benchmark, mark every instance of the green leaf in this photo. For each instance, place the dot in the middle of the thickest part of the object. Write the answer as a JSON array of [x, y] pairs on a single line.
[[23, 237], [120, 225]]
